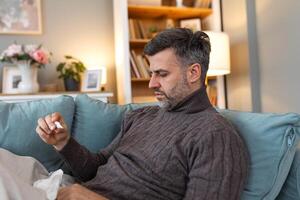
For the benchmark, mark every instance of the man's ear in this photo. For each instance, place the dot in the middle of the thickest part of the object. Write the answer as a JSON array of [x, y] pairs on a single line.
[[194, 73]]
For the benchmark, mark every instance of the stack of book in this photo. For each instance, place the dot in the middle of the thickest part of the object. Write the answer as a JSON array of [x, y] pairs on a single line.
[[139, 66], [202, 3], [188, 3], [137, 30]]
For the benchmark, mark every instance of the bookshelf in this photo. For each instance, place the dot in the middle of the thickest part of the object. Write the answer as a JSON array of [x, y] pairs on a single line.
[[132, 88]]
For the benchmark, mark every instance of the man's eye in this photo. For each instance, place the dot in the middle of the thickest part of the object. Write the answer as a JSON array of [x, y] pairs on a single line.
[[163, 74]]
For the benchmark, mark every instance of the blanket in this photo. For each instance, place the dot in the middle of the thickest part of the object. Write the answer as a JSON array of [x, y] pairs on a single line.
[[18, 175]]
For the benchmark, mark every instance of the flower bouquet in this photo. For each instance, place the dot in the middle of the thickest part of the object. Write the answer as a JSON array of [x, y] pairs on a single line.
[[34, 55], [28, 58]]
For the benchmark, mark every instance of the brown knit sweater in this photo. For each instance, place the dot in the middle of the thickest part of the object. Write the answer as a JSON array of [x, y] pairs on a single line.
[[189, 152]]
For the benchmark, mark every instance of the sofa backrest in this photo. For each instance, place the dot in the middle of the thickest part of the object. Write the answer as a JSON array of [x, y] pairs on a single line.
[[271, 138]]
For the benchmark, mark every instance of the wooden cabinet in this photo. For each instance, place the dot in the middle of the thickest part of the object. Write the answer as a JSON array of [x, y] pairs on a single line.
[[130, 87]]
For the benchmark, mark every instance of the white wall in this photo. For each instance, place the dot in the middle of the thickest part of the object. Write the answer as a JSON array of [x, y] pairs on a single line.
[[238, 81], [80, 28], [278, 34], [265, 49]]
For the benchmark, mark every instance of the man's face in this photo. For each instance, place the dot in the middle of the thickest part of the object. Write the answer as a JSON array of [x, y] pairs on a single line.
[[168, 79]]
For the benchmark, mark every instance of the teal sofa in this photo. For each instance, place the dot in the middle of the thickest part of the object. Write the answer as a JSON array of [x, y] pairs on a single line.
[[272, 139]]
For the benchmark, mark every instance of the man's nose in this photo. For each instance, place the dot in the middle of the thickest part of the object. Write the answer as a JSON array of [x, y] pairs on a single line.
[[154, 83]]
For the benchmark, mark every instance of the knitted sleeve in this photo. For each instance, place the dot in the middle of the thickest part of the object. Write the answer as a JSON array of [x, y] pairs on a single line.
[[83, 163]]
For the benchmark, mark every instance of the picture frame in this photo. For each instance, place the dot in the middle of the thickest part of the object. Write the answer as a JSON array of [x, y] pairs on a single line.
[[91, 80], [11, 77], [193, 24], [20, 17]]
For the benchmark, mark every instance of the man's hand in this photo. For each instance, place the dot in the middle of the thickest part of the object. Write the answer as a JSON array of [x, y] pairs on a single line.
[[47, 130], [78, 192]]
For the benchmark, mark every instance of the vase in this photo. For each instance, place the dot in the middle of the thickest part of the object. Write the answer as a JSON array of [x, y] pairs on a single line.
[[28, 83], [71, 84]]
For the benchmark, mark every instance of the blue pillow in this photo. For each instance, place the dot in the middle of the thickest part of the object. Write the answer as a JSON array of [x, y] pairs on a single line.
[[96, 123], [291, 187], [271, 140], [18, 123]]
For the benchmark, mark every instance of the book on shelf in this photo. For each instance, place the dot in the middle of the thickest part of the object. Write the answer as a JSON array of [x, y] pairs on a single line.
[[137, 29], [212, 94], [144, 2], [148, 28], [203, 3], [187, 3], [133, 65], [168, 2], [193, 24], [131, 29], [142, 30], [132, 74], [140, 65]]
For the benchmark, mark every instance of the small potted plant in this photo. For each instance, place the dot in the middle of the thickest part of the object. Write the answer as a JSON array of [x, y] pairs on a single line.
[[70, 72], [153, 30]]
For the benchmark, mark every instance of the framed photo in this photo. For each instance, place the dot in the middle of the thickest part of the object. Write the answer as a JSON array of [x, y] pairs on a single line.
[[11, 79], [193, 24], [91, 80], [20, 17]]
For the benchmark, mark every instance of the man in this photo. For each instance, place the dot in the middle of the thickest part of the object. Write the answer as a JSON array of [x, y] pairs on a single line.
[[181, 150]]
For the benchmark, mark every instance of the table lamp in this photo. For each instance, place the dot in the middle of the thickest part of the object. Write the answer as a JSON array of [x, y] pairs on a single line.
[[219, 63]]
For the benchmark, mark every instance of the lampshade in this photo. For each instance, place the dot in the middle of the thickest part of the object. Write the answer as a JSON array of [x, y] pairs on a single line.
[[219, 63]]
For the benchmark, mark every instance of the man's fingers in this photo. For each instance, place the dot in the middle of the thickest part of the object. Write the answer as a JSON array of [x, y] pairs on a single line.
[[42, 133], [47, 138], [50, 123], [56, 116], [43, 125], [60, 136]]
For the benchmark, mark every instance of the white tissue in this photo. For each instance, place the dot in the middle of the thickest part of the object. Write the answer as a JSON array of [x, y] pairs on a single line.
[[51, 184], [58, 125]]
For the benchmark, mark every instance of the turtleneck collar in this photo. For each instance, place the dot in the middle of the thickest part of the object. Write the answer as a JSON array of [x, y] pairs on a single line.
[[195, 102]]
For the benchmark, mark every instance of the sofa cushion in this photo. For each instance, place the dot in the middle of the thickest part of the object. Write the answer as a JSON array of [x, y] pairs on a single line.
[[271, 140], [96, 123], [18, 123], [291, 187]]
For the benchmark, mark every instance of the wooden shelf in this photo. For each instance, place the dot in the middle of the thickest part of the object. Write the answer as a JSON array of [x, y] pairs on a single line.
[[211, 77], [140, 79], [144, 99], [167, 12], [138, 43]]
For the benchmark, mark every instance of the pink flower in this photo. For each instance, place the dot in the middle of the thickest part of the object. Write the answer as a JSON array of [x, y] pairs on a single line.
[[13, 50], [30, 48], [40, 56], [34, 54]]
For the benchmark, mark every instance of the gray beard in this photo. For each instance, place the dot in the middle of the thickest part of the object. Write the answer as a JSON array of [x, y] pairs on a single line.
[[164, 104], [179, 92]]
